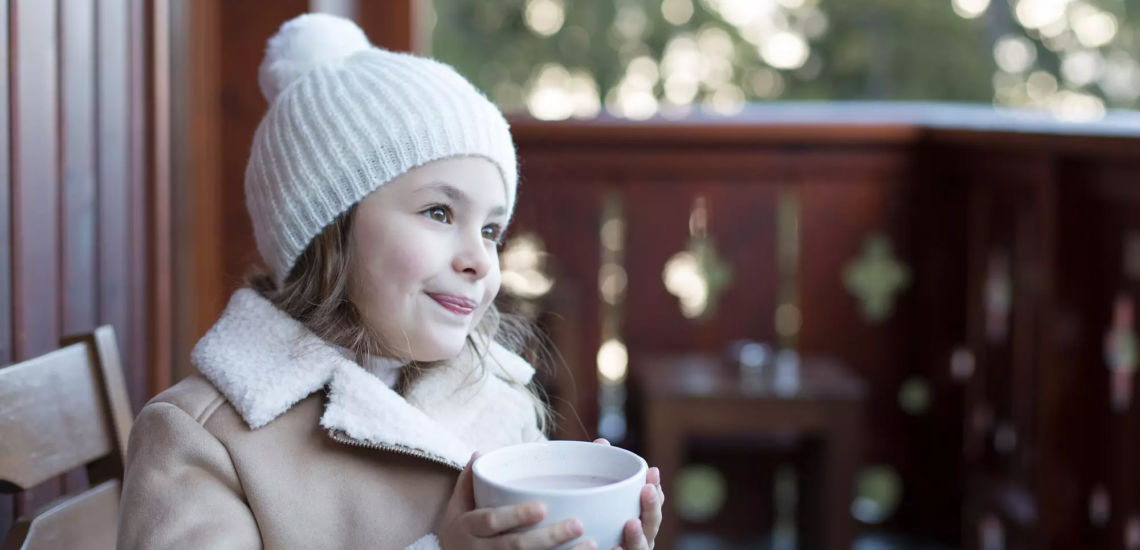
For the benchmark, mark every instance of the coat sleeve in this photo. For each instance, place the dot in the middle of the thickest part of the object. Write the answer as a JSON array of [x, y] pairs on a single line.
[[180, 488]]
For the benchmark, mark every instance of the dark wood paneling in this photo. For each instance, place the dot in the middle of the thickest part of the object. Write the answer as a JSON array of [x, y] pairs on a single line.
[[388, 24], [840, 208], [245, 27], [114, 245], [741, 214], [934, 488], [567, 218]]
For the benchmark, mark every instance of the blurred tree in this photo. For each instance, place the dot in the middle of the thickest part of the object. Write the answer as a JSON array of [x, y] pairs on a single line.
[[640, 58]]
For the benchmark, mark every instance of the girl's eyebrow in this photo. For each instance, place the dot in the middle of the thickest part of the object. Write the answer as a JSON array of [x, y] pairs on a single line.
[[453, 193]]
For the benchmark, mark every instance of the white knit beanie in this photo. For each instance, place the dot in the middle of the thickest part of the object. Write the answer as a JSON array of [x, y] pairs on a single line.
[[346, 117]]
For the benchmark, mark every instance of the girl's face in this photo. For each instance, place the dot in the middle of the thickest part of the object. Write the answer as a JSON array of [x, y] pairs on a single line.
[[425, 261]]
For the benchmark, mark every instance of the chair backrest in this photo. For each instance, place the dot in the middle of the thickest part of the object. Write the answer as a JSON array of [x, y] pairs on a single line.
[[60, 411]]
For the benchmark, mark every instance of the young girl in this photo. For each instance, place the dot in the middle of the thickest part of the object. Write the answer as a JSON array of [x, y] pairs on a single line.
[[341, 394]]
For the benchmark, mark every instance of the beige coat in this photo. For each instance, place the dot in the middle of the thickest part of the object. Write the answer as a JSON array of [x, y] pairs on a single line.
[[281, 442]]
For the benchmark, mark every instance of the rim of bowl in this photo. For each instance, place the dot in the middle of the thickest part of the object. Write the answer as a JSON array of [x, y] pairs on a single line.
[[642, 470]]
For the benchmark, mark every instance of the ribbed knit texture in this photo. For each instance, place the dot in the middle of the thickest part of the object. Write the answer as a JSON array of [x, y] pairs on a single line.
[[345, 127]]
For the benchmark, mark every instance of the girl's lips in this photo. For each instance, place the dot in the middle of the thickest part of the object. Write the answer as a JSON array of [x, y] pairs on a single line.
[[455, 304]]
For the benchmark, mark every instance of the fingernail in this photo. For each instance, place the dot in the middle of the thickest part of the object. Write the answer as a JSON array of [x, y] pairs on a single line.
[[575, 527]]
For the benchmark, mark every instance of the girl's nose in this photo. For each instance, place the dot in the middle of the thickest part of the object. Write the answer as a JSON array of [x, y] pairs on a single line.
[[473, 257]]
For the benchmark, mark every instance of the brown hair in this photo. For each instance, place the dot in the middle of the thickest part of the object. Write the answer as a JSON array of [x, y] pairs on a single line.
[[316, 293]]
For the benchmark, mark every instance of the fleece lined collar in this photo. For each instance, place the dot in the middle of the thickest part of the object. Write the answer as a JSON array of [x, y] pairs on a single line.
[[264, 362]]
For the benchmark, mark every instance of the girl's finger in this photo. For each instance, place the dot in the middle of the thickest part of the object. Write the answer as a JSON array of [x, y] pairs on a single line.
[[586, 545], [602, 441], [463, 495], [489, 522], [633, 538], [650, 512], [544, 537], [653, 476]]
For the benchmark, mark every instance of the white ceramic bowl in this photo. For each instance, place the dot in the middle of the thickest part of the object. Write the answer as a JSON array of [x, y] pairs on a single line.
[[598, 484]]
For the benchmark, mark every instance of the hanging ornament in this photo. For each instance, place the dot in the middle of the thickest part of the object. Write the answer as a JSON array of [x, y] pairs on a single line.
[[876, 277], [1005, 438], [991, 533], [1120, 353], [1100, 507], [998, 296], [961, 365], [1132, 533], [697, 275]]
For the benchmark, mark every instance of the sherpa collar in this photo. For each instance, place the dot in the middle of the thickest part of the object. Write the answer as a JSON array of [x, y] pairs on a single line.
[[264, 362]]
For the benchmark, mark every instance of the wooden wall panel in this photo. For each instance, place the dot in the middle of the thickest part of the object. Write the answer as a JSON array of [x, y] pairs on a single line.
[[7, 503], [388, 24], [195, 175], [75, 194], [113, 102], [245, 27], [154, 187], [742, 224], [77, 163], [35, 193], [79, 212], [139, 184], [567, 218], [934, 487], [1084, 439], [840, 208]]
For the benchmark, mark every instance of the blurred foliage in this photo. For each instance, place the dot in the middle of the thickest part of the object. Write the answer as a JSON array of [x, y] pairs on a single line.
[[859, 49]]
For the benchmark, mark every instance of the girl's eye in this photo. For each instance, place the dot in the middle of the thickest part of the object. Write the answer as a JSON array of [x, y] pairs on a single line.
[[439, 213], [492, 233]]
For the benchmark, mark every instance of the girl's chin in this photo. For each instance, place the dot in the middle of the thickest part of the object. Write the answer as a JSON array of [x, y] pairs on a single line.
[[439, 351]]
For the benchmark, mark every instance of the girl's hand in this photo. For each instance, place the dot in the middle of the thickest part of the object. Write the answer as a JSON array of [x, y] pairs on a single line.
[[639, 535], [464, 527]]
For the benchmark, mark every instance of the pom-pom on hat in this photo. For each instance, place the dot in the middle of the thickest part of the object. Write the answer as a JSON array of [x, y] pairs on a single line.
[[346, 117]]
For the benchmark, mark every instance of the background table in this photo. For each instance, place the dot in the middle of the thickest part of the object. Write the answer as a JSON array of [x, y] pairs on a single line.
[[700, 395]]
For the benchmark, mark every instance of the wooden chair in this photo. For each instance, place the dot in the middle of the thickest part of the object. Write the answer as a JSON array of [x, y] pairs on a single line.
[[62, 410]]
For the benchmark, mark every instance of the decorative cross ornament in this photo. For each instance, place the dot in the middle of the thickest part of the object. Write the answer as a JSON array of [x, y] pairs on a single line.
[[697, 275], [1120, 352], [875, 277], [999, 296], [524, 272]]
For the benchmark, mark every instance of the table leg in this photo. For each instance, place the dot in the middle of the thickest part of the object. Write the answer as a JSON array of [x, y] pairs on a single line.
[[664, 449], [840, 461]]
